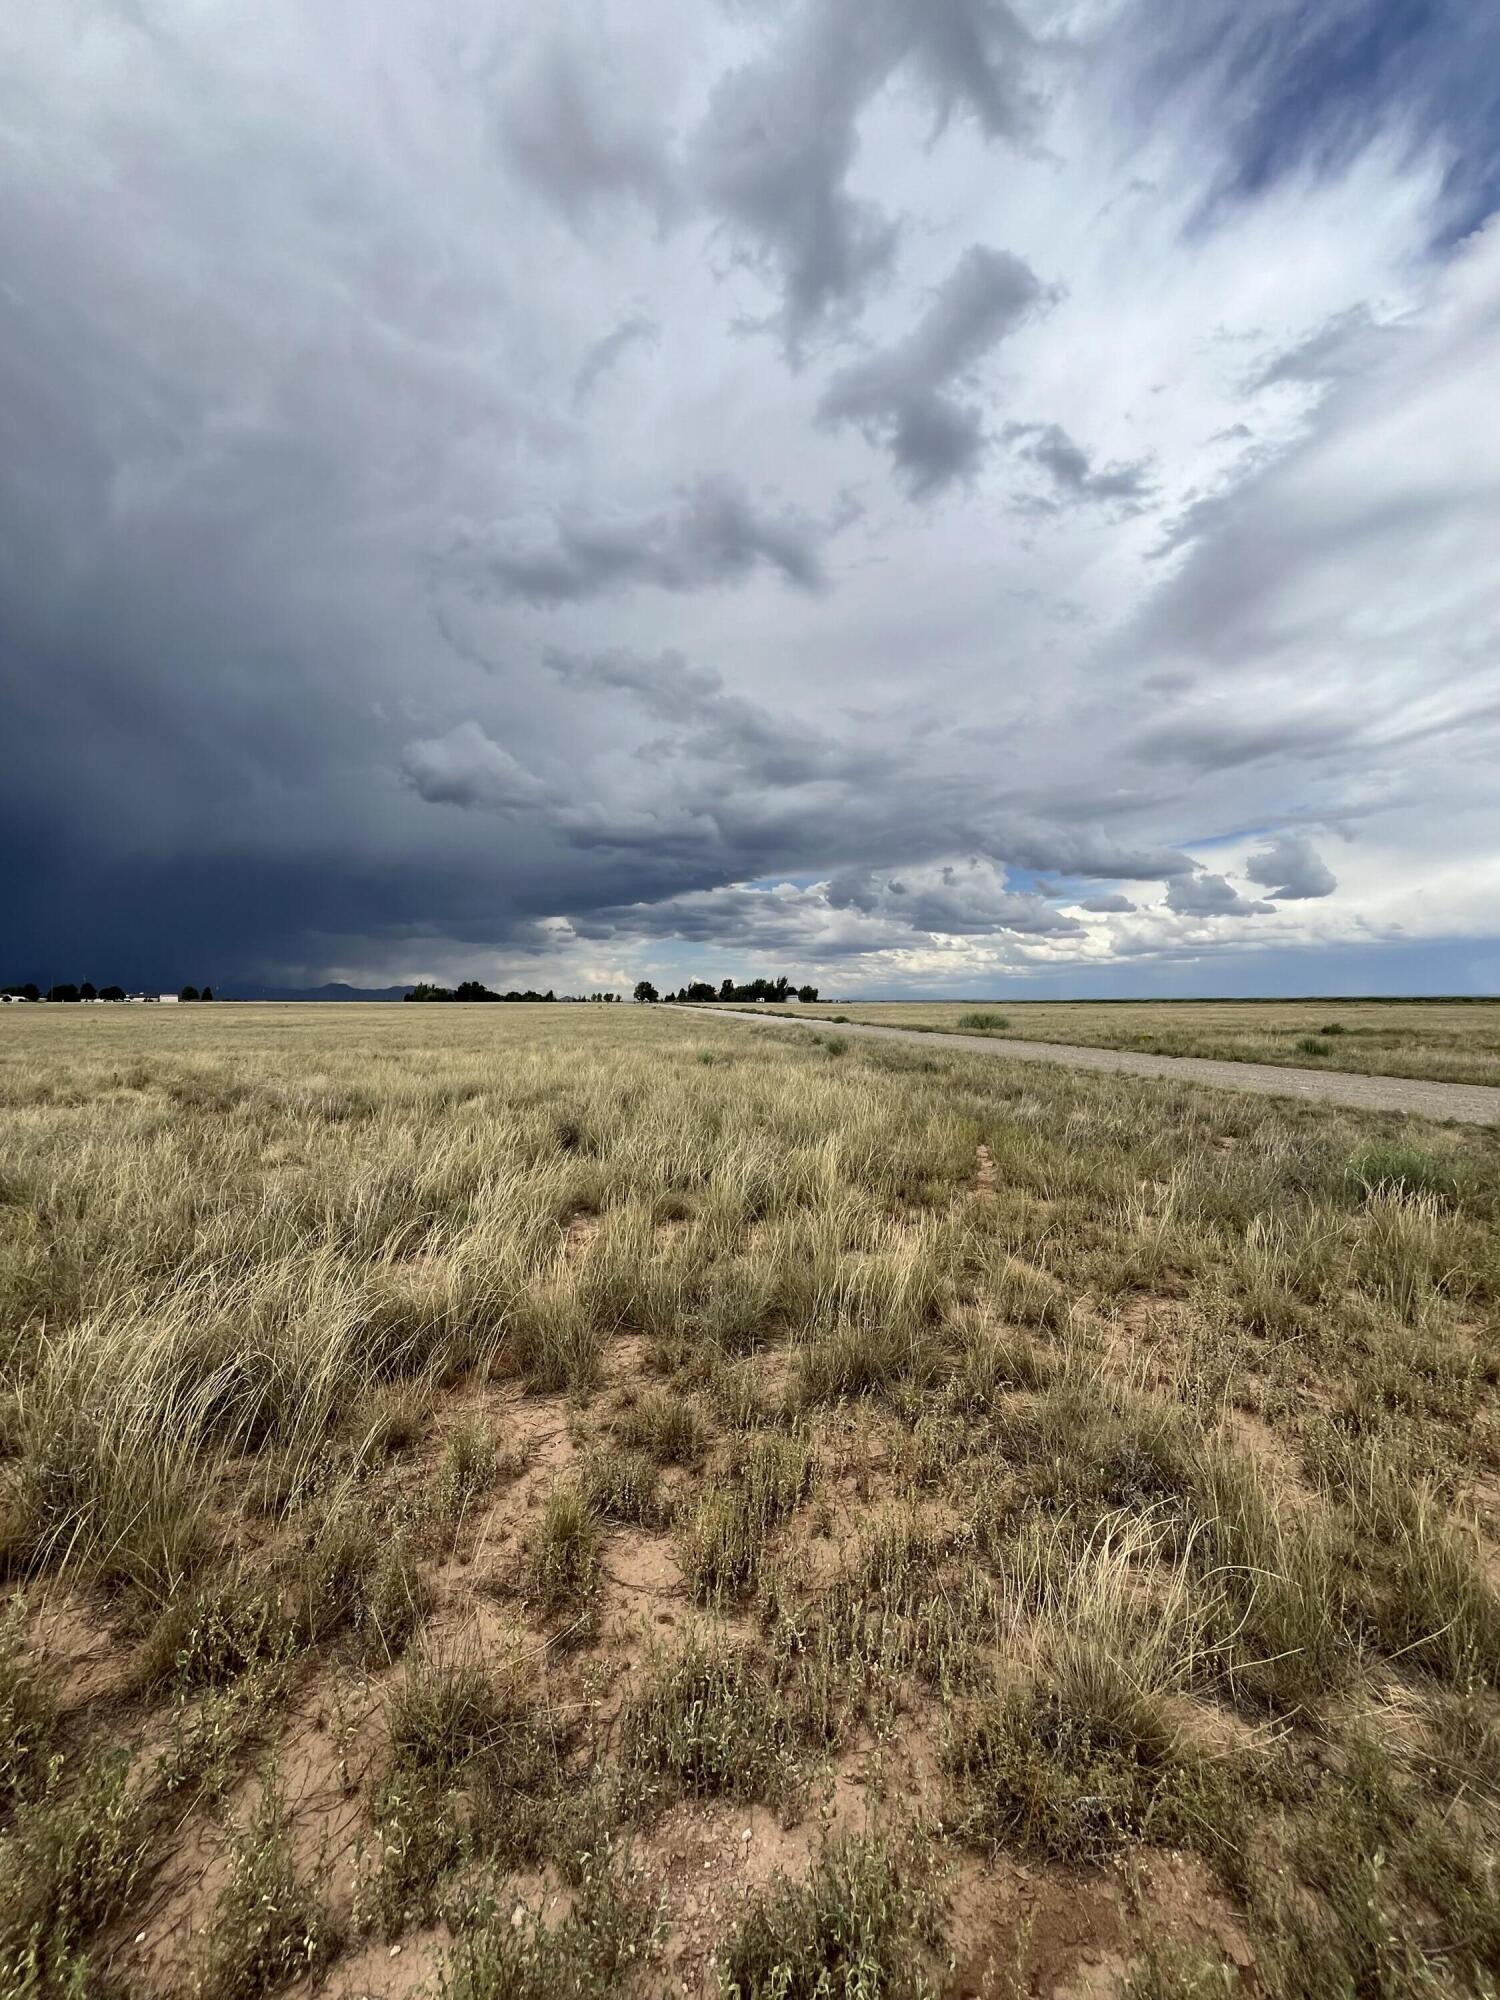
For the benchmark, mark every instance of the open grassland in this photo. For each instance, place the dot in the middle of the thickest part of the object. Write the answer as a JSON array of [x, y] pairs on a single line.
[[518, 1503], [1442, 1041]]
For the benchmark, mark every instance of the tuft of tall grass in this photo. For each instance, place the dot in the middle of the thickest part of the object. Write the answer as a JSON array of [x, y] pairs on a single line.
[[861, 1926], [722, 1537], [708, 1722], [270, 1927], [69, 1865], [561, 1560]]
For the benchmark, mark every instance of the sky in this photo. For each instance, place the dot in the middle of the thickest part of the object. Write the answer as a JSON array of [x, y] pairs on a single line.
[[927, 496]]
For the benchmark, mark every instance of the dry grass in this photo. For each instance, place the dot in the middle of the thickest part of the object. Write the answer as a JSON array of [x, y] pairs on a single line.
[[1446, 1041], [658, 1524]]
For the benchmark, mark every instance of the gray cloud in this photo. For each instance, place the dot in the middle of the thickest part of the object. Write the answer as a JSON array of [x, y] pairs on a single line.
[[714, 534], [636, 331], [954, 899], [355, 620], [581, 141], [898, 395], [1290, 870], [1206, 895], [1219, 741], [467, 768], [1071, 469], [1345, 346], [774, 152]]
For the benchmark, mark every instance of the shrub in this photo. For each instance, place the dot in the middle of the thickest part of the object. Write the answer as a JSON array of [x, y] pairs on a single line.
[[1310, 1045], [984, 1024]]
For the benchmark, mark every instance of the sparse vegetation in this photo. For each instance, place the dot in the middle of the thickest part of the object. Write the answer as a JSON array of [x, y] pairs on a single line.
[[611, 1522], [1444, 1040]]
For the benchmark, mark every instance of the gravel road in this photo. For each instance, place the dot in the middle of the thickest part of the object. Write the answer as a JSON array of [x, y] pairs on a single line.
[[1468, 1103]]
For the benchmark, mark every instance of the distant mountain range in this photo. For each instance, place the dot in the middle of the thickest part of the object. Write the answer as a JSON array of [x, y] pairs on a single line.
[[336, 991]]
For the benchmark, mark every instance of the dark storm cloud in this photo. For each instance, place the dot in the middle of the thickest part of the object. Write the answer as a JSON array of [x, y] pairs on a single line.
[[774, 152], [713, 534], [1291, 870], [899, 395], [1072, 470], [1208, 895], [638, 330], [363, 605], [582, 140]]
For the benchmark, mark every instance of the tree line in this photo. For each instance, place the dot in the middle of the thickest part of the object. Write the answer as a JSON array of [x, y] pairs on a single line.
[[757, 989], [88, 991], [472, 989]]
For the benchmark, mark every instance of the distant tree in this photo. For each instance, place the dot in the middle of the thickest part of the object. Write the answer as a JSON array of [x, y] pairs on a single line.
[[473, 989], [188, 993], [207, 993], [30, 991], [112, 993], [726, 989], [808, 993], [645, 991], [62, 992], [88, 990], [425, 990]]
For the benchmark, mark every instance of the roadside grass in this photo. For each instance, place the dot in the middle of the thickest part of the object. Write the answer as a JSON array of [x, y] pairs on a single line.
[[1446, 1041], [605, 1452]]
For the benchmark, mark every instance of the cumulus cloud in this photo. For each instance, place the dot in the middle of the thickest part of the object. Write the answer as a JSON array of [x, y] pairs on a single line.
[[952, 898], [467, 768], [1290, 870], [1108, 906], [713, 534], [900, 395], [1206, 895]]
